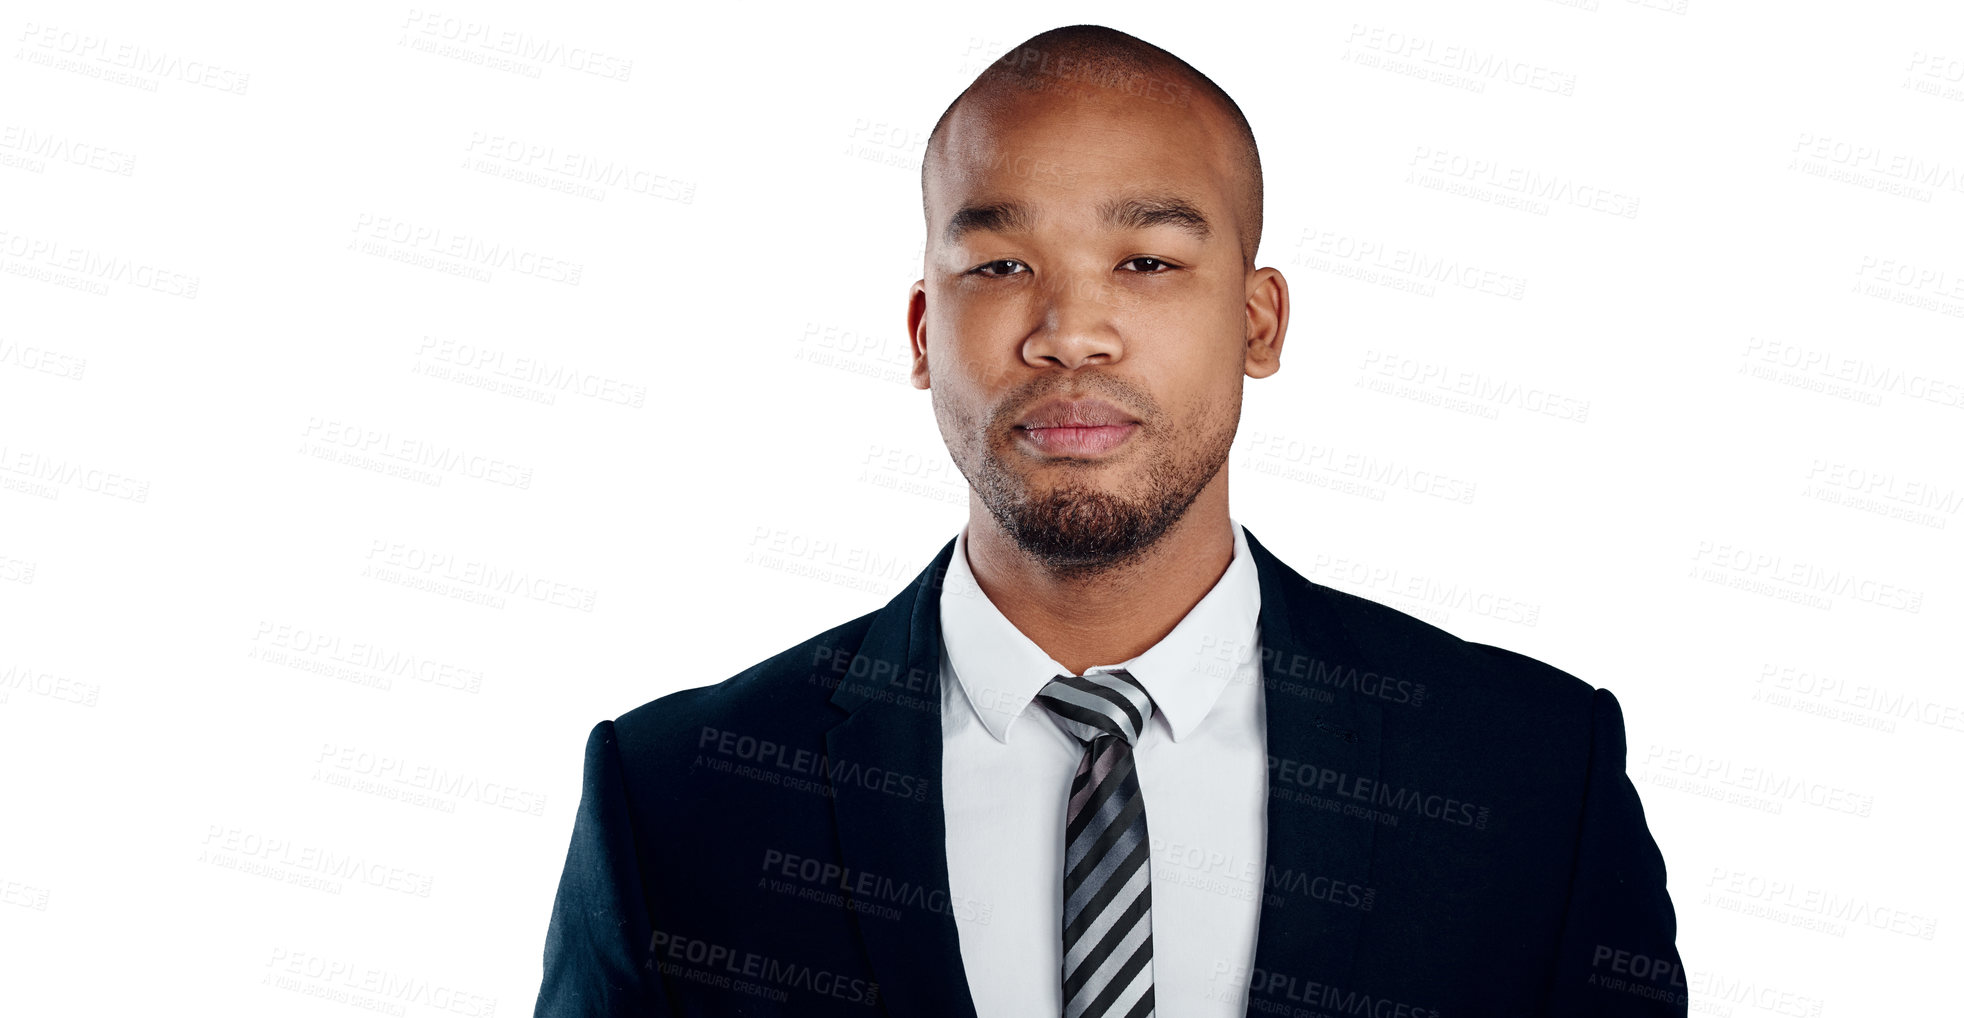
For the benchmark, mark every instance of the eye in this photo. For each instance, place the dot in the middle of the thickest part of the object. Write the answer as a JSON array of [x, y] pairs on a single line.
[[1151, 266], [1000, 267]]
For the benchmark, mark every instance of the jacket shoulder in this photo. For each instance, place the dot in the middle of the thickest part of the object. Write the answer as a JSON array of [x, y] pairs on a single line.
[[790, 688], [1423, 652], [1507, 726]]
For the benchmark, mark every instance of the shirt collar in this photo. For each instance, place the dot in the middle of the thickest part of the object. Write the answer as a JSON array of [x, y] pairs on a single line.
[[1000, 669]]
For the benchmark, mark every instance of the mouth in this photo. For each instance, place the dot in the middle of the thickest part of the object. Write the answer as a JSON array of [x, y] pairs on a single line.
[[1085, 427], [1078, 441]]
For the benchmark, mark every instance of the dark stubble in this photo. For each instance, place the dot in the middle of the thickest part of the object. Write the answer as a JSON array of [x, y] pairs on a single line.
[[1078, 529]]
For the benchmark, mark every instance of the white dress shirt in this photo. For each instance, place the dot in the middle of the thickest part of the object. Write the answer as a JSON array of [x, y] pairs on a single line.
[[1202, 766]]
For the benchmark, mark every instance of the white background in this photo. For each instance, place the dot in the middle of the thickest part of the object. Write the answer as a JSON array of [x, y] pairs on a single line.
[[1700, 450]]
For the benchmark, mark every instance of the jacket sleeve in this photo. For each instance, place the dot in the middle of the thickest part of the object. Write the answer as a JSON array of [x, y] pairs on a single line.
[[1618, 952], [597, 941]]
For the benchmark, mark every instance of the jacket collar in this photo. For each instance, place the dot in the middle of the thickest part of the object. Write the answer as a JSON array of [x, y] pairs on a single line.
[[892, 696], [1001, 670]]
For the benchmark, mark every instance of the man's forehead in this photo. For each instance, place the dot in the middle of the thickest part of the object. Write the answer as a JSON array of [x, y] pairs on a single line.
[[1084, 153], [1081, 123]]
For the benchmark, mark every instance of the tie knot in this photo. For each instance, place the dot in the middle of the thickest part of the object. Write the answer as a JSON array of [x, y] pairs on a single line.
[[1100, 703]]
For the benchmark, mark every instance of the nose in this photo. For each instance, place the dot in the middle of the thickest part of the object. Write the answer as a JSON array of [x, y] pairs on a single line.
[[1078, 326]]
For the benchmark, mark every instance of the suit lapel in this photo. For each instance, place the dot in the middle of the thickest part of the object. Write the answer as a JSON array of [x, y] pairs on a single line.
[[892, 693], [1336, 745]]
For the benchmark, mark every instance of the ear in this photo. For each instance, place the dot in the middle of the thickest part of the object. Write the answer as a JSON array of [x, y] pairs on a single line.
[[917, 332], [1268, 322]]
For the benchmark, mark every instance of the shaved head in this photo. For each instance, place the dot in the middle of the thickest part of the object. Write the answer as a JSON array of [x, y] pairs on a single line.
[[1098, 63], [1089, 305]]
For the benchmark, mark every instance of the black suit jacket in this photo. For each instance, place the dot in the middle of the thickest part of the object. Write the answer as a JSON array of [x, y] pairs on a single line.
[[1450, 833]]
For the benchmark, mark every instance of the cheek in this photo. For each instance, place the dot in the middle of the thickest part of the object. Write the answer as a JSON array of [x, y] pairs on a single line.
[[975, 346], [1208, 345], [957, 332], [1211, 391], [1211, 324], [977, 319]]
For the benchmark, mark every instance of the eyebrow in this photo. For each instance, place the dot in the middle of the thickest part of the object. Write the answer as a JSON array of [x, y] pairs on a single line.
[[1144, 212], [1139, 212], [990, 217]]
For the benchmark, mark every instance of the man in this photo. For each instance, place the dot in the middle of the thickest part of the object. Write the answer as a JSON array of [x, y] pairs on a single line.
[[1107, 755]]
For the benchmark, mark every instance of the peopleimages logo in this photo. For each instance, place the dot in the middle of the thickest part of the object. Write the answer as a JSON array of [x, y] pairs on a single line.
[[752, 750], [870, 890], [730, 968], [1325, 781], [1342, 676], [1269, 991]]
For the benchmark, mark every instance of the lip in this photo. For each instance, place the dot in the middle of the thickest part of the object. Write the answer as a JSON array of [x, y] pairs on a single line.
[[1076, 427], [1091, 441], [1076, 413]]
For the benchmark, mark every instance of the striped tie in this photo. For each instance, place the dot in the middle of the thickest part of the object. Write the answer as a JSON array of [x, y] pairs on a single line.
[[1107, 878]]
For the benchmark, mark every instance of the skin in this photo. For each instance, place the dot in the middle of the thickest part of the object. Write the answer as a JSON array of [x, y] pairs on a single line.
[[1104, 555]]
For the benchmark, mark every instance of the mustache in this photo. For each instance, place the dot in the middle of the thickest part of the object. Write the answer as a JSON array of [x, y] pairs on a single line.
[[1010, 410]]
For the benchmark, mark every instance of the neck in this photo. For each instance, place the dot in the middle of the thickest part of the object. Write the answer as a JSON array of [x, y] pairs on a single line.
[[1085, 622]]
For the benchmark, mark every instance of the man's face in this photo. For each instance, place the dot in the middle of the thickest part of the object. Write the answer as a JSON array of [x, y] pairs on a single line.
[[1094, 255]]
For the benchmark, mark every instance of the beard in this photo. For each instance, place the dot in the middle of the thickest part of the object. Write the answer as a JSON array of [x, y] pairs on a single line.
[[1079, 530]]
